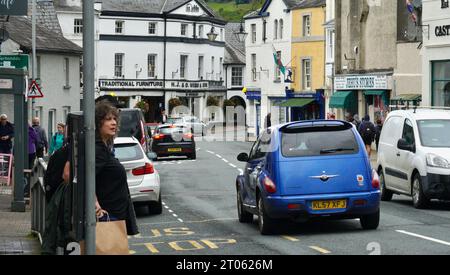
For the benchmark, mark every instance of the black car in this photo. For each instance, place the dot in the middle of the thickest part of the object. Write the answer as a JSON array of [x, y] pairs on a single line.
[[132, 124], [173, 140]]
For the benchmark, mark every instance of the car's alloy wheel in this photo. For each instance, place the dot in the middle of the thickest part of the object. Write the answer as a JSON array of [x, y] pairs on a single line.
[[418, 197], [244, 216], [265, 223]]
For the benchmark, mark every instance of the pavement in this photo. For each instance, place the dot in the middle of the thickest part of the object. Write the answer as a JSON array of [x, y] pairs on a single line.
[[16, 237]]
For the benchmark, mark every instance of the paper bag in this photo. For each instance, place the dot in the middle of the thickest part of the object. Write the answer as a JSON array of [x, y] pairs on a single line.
[[111, 238]]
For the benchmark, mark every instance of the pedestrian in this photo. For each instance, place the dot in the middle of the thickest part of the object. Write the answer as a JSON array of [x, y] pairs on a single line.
[[378, 128], [367, 131], [163, 116], [113, 199], [57, 140], [42, 147], [356, 121], [6, 135], [33, 140], [268, 122]]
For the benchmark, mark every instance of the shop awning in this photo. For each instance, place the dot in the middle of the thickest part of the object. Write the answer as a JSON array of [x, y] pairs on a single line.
[[407, 97], [342, 100], [375, 92], [296, 102]]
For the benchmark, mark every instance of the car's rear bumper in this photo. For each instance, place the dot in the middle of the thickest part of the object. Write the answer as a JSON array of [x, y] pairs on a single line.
[[173, 149], [301, 206], [436, 186], [147, 191]]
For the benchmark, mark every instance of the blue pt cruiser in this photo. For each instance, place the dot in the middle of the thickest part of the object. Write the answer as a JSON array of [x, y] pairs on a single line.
[[308, 169]]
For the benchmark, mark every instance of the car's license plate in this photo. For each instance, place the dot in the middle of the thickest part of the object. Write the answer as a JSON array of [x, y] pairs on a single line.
[[174, 150], [332, 204]]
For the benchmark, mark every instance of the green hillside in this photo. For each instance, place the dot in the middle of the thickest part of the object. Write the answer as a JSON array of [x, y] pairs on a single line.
[[233, 12]]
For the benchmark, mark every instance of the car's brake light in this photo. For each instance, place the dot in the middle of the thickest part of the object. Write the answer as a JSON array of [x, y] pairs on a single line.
[[158, 136], [144, 170], [269, 185], [188, 136], [375, 180]]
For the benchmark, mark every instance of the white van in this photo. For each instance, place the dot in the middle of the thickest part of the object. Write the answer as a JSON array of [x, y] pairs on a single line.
[[414, 155]]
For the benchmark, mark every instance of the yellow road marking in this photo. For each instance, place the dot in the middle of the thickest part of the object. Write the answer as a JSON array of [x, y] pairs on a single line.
[[321, 250], [289, 238]]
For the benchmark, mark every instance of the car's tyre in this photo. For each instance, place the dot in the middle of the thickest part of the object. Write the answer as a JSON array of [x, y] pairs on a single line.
[[244, 216], [386, 195], [155, 208], [419, 199], [265, 223], [193, 156], [370, 222]]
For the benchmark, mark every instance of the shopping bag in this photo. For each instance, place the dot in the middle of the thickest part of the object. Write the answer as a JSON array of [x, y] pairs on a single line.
[[111, 238]]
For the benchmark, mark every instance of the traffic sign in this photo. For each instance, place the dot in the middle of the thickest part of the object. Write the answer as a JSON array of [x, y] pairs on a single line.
[[34, 91], [14, 61]]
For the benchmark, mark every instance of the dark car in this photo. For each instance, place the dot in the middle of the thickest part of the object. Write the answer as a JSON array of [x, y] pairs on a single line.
[[173, 140], [132, 124], [309, 169]]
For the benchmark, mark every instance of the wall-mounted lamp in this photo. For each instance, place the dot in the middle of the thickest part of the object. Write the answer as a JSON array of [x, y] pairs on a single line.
[[212, 35]]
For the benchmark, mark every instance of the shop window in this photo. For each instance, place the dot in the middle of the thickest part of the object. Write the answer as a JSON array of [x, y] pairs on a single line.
[[441, 83]]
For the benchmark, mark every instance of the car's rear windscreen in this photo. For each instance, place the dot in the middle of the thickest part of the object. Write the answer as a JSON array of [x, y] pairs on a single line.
[[130, 125], [173, 130], [128, 152], [318, 143]]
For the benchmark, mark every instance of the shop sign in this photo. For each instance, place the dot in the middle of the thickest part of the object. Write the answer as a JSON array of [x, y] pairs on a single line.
[[130, 84], [361, 82], [442, 30], [13, 7], [186, 85]]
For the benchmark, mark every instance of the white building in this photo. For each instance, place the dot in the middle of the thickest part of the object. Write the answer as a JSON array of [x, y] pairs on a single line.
[[269, 33], [330, 41], [58, 70], [154, 50], [436, 53]]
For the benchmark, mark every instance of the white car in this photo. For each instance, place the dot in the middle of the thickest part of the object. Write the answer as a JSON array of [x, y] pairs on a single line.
[[192, 122], [143, 178], [414, 155]]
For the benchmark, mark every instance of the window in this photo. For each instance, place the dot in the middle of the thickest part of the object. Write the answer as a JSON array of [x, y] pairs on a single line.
[[188, 8], [119, 26], [183, 66], [200, 31], [262, 147], [277, 68], [275, 30], [200, 66], [306, 74], [151, 65], [236, 76], [306, 25], [221, 35], [220, 67], [78, 26], [67, 72], [184, 29], [408, 132], [151, 28], [118, 64], [212, 67], [253, 33], [280, 33], [254, 67], [441, 83], [434, 133], [51, 122]]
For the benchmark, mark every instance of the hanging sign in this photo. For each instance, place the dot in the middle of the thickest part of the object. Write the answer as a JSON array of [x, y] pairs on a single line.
[[13, 7]]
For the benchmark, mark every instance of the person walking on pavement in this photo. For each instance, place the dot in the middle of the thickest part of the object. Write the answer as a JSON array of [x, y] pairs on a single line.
[[378, 127], [268, 122], [33, 140], [42, 147], [6, 135], [367, 131], [57, 139], [113, 199]]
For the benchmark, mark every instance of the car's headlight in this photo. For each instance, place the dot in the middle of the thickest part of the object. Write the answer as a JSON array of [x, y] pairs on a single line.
[[437, 161]]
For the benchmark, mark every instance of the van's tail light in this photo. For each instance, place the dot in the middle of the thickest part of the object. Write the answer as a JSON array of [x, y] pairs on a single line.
[[269, 185], [144, 170], [158, 136], [375, 179]]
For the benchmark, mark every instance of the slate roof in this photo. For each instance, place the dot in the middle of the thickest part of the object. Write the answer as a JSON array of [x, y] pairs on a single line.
[[46, 15], [290, 4], [19, 29], [234, 50], [308, 4]]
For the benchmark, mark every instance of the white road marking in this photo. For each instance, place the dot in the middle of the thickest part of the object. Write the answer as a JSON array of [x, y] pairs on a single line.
[[289, 238], [423, 237], [319, 249], [180, 220], [219, 156], [225, 160], [232, 165], [175, 215], [211, 152], [170, 211], [241, 171], [198, 149], [166, 207]]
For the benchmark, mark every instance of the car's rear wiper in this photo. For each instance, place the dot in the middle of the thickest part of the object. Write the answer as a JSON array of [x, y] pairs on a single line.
[[332, 151]]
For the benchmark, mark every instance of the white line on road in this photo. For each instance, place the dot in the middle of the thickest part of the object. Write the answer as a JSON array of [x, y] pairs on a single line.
[[225, 160], [219, 156], [166, 207], [170, 211], [319, 249], [232, 165], [180, 220], [241, 171], [289, 238], [175, 215], [211, 152], [423, 237]]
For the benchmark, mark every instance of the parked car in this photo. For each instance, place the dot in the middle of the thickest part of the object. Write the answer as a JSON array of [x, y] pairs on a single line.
[[143, 179], [173, 140], [414, 155], [192, 122], [308, 169], [132, 124]]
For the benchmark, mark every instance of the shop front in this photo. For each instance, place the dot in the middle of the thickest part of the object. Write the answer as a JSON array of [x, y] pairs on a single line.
[[436, 54], [361, 95], [304, 106], [253, 96]]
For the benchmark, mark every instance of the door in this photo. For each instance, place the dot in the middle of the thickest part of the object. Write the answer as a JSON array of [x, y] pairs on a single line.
[[392, 132], [258, 118], [404, 158]]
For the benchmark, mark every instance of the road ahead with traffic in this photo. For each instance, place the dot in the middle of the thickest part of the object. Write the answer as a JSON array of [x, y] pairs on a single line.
[[200, 217]]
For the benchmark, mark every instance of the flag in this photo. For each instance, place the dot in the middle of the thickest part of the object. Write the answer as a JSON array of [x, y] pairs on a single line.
[[278, 62], [411, 10]]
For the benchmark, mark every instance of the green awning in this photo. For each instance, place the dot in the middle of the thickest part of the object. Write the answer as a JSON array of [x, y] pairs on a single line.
[[374, 92], [407, 97], [342, 100], [296, 102]]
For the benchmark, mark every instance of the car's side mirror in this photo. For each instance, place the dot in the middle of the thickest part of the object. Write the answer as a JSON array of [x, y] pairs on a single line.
[[404, 145], [152, 155], [243, 157]]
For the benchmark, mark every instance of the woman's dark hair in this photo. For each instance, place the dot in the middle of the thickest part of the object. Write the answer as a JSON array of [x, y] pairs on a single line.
[[103, 109]]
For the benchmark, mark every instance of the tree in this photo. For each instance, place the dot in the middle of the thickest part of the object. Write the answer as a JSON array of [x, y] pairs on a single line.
[[212, 101], [174, 102]]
